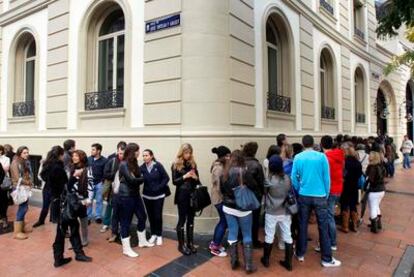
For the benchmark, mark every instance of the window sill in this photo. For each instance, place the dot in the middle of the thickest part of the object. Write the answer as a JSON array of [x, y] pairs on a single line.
[[23, 119], [329, 121], [106, 113], [280, 115], [328, 15], [360, 40], [360, 124]]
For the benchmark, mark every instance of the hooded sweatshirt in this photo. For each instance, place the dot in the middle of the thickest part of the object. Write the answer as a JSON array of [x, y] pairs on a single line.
[[336, 159]]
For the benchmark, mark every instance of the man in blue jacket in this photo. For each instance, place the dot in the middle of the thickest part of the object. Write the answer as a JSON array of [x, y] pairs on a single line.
[[311, 181]]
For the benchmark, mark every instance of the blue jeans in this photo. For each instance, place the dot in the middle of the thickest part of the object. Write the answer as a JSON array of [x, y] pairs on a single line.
[[320, 205], [97, 192], [221, 226], [332, 200], [22, 210], [406, 160], [244, 223]]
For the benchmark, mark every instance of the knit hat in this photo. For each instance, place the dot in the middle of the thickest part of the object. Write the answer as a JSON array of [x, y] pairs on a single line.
[[221, 151], [275, 164]]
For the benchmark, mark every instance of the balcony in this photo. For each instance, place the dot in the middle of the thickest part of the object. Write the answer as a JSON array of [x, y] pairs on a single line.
[[358, 33], [278, 103], [326, 6], [103, 100], [360, 118], [21, 109], [328, 112]]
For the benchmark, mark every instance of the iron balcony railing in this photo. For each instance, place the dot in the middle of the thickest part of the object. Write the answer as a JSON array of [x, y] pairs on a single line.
[[102, 100], [26, 108], [327, 112], [359, 33], [327, 6], [360, 117], [278, 103]]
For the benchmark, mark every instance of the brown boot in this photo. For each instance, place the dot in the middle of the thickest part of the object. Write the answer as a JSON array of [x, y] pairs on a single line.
[[354, 219], [27, 228], [345, 222], [18, 231]]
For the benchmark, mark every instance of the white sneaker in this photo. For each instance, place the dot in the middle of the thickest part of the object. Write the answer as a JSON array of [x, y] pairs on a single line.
[[281, 245], [127, 250], [333, 263], [152, 239], [334, 248], [142, 240], [300, 259], [318, 248], [158, 242], [104, 228]]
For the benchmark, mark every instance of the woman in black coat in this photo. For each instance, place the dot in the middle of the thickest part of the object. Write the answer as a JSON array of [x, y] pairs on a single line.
[[55, 178], [185, 178]]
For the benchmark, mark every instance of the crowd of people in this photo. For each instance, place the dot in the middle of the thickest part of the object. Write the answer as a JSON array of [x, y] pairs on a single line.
[[337, 177]]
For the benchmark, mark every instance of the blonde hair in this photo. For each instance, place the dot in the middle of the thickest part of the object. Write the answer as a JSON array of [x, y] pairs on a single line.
[[374, 158], [179, 160]]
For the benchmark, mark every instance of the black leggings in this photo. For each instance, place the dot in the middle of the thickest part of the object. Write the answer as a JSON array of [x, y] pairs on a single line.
[[185, 213], [75, 240], [4, 203], [154, 211], [349, 200]]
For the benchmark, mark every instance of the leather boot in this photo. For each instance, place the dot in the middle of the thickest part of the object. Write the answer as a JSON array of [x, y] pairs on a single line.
[[234, 256], [379, 222], [287, 263], [190, 239], [354, 219], [81, 257], [345, 222], [60, 261], [374, 225], [248, 258], [181, 245], [18, 231], [267, 250]]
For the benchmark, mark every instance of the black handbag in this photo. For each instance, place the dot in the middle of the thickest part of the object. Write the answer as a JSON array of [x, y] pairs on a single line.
[[200, 199], [71, 207], [291, 203]]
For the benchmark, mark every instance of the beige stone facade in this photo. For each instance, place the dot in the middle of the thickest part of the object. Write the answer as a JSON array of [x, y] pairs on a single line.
[[205, 82]]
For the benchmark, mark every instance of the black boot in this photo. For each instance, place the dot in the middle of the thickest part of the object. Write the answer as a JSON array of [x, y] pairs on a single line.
[[181, 246], [379, 222], [81, 257], [267, 250], [287, 263], [37, 224], [234, 256], [374, 225], [61, 261], [190, 239], [248, 258]]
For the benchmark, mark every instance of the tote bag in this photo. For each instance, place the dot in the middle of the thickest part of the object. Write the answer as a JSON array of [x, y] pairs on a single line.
[[245, 198], [200, 199], [21, 194]]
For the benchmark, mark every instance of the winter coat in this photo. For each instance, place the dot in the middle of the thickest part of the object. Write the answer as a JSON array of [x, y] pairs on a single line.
[[156, 181], [256, 171], [216, 174], [277, 190], [129, 184], [375, 175], [55, 178], [353, 171], [336, 160], [184, 188]]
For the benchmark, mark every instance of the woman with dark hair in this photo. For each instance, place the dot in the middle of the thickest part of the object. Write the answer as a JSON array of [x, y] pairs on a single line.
[[273, 150], [155, 190], [235, 175], [130, 200], [55, 178], [223, 156], [185, 177], [80, 187], [4, 194], [21, 173]]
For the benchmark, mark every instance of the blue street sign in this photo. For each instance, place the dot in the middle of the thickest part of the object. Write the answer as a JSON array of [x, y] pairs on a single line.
[[163, 23]]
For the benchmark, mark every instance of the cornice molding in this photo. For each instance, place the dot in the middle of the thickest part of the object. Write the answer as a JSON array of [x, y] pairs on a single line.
[[23, 10]]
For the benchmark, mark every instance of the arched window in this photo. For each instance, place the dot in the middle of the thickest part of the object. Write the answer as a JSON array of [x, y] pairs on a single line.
[[105, 58], [24, 85], [326, 80], [278, 64], [359, 96]]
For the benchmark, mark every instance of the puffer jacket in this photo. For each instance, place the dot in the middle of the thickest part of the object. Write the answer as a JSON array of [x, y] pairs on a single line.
[[228, 186], [256, 171], [129, 184], [336, 159]]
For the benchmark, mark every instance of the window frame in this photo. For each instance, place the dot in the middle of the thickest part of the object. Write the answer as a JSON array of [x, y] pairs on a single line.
[[278, 49], [24, 67]]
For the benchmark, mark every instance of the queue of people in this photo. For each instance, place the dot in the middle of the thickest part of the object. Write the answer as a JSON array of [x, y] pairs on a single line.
[[293, 182]]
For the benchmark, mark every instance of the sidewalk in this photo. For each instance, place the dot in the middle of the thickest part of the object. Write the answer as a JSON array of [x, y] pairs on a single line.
[[362, 253]]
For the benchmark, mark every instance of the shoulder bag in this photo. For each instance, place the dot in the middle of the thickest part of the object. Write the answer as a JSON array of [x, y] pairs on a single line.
[[200, 199], [245, 198], [21, 194]]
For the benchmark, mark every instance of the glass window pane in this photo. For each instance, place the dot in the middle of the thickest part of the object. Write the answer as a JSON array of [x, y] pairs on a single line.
[[120, 64], [272, 69], [114, 22], [30, 80], [105, 66], [31, 51], [323, 85]]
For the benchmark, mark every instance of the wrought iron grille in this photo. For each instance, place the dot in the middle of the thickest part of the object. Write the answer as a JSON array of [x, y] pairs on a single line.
[[104, 100], [278, 103], [328, 7], [327, 112], [359, 33], [23, 109], [360, 117]]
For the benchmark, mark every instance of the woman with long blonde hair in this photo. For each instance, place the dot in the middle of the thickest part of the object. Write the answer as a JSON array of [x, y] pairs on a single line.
[[185, 178]]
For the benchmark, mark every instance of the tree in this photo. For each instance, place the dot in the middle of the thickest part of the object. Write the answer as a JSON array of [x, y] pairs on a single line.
[[392, 14]]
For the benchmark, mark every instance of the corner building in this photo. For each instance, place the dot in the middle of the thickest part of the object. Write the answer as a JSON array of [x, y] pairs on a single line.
[[232, 71]]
